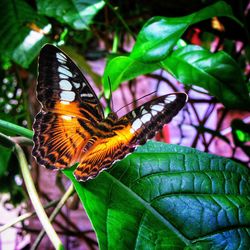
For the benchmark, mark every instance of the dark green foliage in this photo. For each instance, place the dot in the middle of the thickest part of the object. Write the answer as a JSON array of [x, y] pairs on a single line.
[[20, 39], [169, 197], [77, 14], [217, 72], [162, 196]]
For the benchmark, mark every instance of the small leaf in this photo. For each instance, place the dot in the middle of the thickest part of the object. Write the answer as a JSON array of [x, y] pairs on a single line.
[[169, 197], [123, 68], [76, 13], [241, 135], [160, 34], [218, 73]]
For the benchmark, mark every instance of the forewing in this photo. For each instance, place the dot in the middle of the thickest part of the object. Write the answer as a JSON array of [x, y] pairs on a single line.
[[150, 117], [70, 110], [60, 80], [131, 130]]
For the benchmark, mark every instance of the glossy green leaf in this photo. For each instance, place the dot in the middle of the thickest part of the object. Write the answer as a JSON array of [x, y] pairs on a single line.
[[169, 197], [154, 43], [22, 32], [123, 68], [76, 13], [160, 34], [218, 73]]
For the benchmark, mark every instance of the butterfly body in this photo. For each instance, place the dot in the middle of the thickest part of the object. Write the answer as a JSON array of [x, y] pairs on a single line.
[[71, 126]]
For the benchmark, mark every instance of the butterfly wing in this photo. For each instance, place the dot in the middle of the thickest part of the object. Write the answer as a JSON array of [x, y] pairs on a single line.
[[131, 130], [70, 110]]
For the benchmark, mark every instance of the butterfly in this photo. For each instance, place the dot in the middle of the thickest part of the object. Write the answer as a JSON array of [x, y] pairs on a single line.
[[71, 126]]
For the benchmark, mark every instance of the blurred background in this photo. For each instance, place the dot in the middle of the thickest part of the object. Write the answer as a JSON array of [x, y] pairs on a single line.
[[91, 33]]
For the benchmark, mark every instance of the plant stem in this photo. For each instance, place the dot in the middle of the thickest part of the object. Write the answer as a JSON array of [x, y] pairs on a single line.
[[35, 199], [13, 128], [60, 204]]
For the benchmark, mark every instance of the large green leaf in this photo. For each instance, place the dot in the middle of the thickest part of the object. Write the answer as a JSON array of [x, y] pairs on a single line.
[[123, 68], [218, 73], [160, 34], [76, 13], [22, 32], [169, 197]]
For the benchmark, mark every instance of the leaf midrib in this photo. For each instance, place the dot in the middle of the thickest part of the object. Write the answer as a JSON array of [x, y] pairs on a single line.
[[148, 207]]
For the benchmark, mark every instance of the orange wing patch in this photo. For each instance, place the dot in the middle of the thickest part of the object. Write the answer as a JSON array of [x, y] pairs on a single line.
[[104, 152], [58, 139], [65, 108]]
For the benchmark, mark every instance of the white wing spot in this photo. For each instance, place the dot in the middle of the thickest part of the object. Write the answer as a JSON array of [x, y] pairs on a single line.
[[64, 102], [65, 85], [86, 95], [64, 71], [133, 114], [136, 124], [170, 98], [61, 76], [67, 96], [144, 111], [66, 117], [61, 61], [146, 118], [157, 107], [61, 57], [65, 67], [154, 113], [77, 85]]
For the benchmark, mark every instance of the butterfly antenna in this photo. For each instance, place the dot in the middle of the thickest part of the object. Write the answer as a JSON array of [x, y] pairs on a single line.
[[111, 97], [136, 100]]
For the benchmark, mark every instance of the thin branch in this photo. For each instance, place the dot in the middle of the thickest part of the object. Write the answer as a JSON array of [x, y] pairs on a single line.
[[60, 204], [64, 217], [164, 79], [35, 199], [195, 141], [22, 141], [219, 123], [24, 217]]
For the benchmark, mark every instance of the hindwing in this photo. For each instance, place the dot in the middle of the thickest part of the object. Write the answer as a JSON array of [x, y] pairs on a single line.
[[131, 130]]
